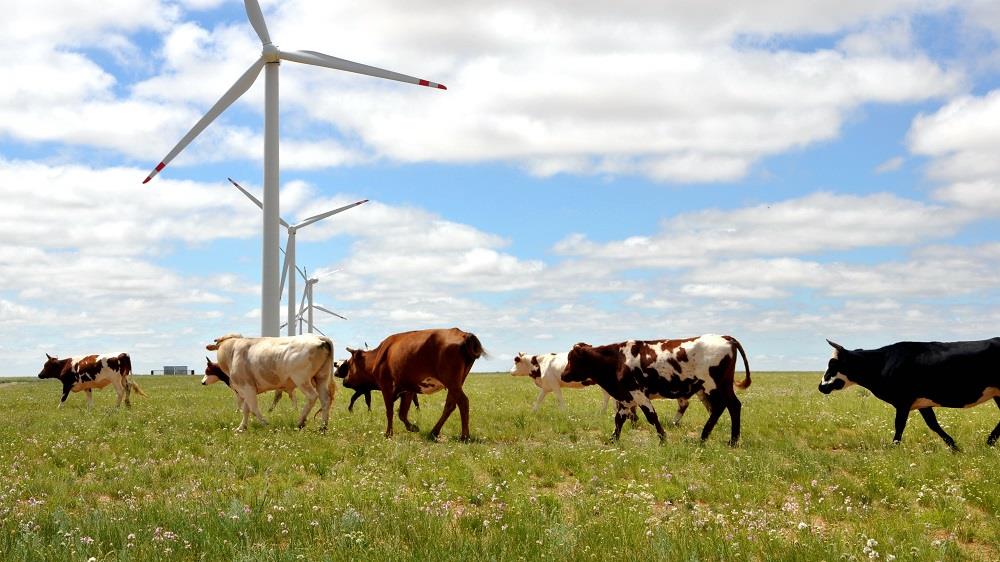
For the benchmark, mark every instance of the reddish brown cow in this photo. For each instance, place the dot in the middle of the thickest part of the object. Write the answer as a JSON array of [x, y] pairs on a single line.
[[424, 362]]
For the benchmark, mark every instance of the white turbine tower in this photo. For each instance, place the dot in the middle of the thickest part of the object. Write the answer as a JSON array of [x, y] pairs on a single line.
[[269, 60], [290, 250]]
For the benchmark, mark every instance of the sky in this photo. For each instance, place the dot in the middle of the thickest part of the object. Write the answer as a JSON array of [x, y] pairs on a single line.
[[783, 172]]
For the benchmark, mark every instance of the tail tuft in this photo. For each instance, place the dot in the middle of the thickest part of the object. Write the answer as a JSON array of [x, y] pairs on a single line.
[[473, 348], [745, 383], [136, 389]]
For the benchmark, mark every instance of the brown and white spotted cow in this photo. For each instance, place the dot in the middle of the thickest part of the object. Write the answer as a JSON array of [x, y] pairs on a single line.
[[636, 371], [92, 371]]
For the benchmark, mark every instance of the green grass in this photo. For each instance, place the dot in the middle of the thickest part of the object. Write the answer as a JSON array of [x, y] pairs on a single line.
[[814, 478]]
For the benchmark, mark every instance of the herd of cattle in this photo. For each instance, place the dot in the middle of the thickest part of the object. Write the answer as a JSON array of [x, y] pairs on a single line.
[[908, 375]]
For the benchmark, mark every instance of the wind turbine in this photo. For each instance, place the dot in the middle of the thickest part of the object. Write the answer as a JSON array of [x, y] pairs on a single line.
[[307, 305], [290, 250], [269, 60]]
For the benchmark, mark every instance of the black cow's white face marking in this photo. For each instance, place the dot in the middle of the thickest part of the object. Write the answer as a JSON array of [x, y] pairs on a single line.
[[833, 379]]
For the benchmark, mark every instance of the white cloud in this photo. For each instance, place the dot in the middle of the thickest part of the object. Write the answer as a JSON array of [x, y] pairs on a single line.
[[821, 222], [890, 165], [673, 93]]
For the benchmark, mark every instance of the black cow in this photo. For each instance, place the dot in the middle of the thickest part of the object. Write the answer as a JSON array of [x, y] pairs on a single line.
[[635, 371], [362, 388], [921, 376]]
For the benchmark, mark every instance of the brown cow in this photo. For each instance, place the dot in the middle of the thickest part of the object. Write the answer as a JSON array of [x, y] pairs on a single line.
[[424, 362]]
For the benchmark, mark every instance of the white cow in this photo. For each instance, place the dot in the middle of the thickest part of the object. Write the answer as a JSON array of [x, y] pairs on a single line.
[[546, 372], [251, 366]]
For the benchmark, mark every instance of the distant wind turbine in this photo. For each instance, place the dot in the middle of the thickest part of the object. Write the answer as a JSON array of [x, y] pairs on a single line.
[[290, 249], [269, 60], [307, 305]]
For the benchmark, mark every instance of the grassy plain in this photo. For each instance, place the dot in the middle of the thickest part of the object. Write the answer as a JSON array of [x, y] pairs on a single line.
[[815, 478]]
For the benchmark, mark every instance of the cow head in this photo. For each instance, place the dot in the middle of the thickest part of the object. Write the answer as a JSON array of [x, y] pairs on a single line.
[[354, 371], [834, 377], [584, 361], [55, 368], [218, 341], [525, 366], [214, 373], [340, 368]]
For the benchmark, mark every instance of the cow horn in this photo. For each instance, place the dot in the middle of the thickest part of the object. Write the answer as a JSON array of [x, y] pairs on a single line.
[[49, 356], [836, 346], [207, 360]]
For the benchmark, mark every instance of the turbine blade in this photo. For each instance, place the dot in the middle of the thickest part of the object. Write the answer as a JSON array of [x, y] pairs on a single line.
[[256, 18], [328, 311], [302, 274], [319, 59], [322, 216], [256, 201], [315, 327], [242, 84], [284, 272], [327, 274]]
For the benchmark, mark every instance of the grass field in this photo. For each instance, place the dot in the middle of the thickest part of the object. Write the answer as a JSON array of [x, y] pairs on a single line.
[[814, 478]]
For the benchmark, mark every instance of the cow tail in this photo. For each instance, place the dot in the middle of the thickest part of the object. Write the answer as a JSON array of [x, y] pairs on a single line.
[[746, 381], [473, 348], [135, 388], [331, 380]]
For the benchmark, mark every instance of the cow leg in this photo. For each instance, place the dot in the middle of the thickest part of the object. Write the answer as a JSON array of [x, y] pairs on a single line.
[[620, 415], [992, 439], [404, 410], [120, 391], [357, 394], [90, 398], [718, 406], [326, 395], [647, 410], [450, 402], [463, 411], [416, 401], [65, 394], [309, 391], [931, 420], [274, 403], [902, 414], [246, 416], [607, 398], [250, 401], [388, 399], [538, 401], [127, 384], [682, 406], [558, 393], [735, 407]]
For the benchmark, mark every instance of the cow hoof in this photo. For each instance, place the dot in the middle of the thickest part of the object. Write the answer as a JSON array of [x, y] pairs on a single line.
[[412, 428], [954, 448], [465, 439], [388, 435], [734, 444], [991, 441]]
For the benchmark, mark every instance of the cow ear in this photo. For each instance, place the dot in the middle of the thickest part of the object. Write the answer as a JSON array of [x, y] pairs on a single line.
[[67, 367], [350, 350], [836, 346], [582, 344], [212, 347]]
